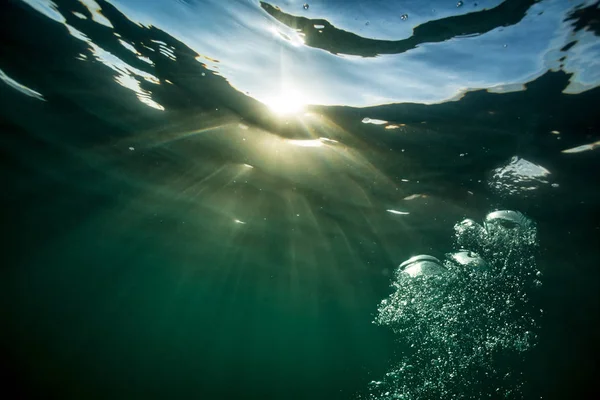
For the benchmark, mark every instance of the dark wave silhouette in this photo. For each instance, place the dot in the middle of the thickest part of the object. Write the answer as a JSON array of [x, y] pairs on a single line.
[[338, 41], [586, 18]]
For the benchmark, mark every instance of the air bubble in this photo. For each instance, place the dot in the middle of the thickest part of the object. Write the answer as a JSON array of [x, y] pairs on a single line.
[[422, 265], [432, 311], [505, 218], [470, 259], [404, 17], [459, 4], [305, 6]]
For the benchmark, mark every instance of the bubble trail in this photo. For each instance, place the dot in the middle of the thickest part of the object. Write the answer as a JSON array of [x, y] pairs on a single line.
[[466, 322]]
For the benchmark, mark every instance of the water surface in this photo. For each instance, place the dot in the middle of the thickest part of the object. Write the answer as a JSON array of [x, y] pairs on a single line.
[[207, 199]]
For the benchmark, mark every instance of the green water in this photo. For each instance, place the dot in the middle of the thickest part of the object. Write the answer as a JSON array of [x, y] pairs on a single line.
[[201, 252]]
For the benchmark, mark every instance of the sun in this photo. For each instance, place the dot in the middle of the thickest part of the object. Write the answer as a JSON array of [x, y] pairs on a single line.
[[287, 103]]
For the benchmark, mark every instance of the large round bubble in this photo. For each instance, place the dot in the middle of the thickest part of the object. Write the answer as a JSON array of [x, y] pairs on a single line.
[[421, 265]]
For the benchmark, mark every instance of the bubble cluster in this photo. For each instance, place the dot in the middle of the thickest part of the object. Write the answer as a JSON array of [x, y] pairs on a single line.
[[465, 324], [518, 177]]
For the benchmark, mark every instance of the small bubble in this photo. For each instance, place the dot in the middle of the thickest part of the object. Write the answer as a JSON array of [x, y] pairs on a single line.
[[555, 185], [305, 6], [459, 4], [505, 46], [537, 283], [404, 17], [367, 23]]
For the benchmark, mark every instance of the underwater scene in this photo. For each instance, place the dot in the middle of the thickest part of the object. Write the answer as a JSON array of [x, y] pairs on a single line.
[[334, 199]]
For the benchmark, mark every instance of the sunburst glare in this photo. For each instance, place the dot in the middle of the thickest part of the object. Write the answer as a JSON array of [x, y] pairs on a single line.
[[289, 102]]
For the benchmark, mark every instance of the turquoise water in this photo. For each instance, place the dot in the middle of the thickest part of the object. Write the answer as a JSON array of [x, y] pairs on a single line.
[[208, 199]]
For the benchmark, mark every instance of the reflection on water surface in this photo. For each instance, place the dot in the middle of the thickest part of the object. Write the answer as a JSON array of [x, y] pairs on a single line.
[[211, 199]]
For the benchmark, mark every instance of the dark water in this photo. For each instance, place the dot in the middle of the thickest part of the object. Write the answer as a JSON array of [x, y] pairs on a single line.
[[196, 202]]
